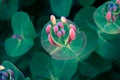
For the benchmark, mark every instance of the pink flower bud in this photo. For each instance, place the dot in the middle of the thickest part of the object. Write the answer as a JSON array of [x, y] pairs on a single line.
[[63, 19], [55, 29], [113, 18], [60, 24], [108, 16], [118, 1], [73, 26], [50, 39], [71, 35], [48, 29], [63, 31], [53, 19], [59, 34]]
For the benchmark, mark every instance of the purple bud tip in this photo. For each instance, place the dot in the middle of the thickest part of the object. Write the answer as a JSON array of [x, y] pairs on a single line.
[[11, 72], [5, 74], [48, 29], [59, 34], [53, 19], [63, 19], [63, 31], [60, 24], [3, 78], [55, 29], [73, 26], [108, 16], [14, 36]]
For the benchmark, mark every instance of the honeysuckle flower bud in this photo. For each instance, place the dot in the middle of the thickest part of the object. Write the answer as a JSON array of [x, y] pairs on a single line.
[[53, 19], [63, 31], [59, 34], [73, 26], [63, 19], [113, 18], [71, 34], [2, 67], [60, 24], [50, 39], [118, 2], [48, 29], [112, 6], [55, 29], [108, 16]]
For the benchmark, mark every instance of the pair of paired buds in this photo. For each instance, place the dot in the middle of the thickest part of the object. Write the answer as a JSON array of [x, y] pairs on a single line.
[[6, 74], [112, 8], [60, 29]]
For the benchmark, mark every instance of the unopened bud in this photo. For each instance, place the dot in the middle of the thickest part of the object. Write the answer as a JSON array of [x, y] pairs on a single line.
[[63, 19], [48, 29], [55, 29], [108, 16], [53, 19]]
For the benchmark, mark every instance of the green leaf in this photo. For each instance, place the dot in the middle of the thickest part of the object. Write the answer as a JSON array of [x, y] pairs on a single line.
[[22, 25], [8, 8], [44, 67], [61, 7], [92, 41], [16, 48], [86, 2], [18, 74], [103, 24], [93, 65], [85, 17], [108, 45]]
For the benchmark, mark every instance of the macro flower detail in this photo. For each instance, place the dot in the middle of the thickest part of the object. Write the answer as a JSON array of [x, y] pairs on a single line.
[[112, 6], [62, 39], [112, 13], [6, 74], [60, 31]]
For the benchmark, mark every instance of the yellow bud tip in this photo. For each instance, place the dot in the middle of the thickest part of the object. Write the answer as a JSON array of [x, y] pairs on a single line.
[[63, 19], [53, 19], [2, 67]]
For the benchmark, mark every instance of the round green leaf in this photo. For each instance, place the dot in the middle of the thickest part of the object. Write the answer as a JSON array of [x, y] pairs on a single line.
[[61, 7], [22, 25], [44, 67], [86, 2], [108, 45], [8, 8], [103, 24], [65, 52], [18, 74], [85, 17], [92, 40], [16, 48]]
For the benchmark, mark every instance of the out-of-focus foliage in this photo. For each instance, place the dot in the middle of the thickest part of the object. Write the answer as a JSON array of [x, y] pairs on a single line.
[[88, 50]]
